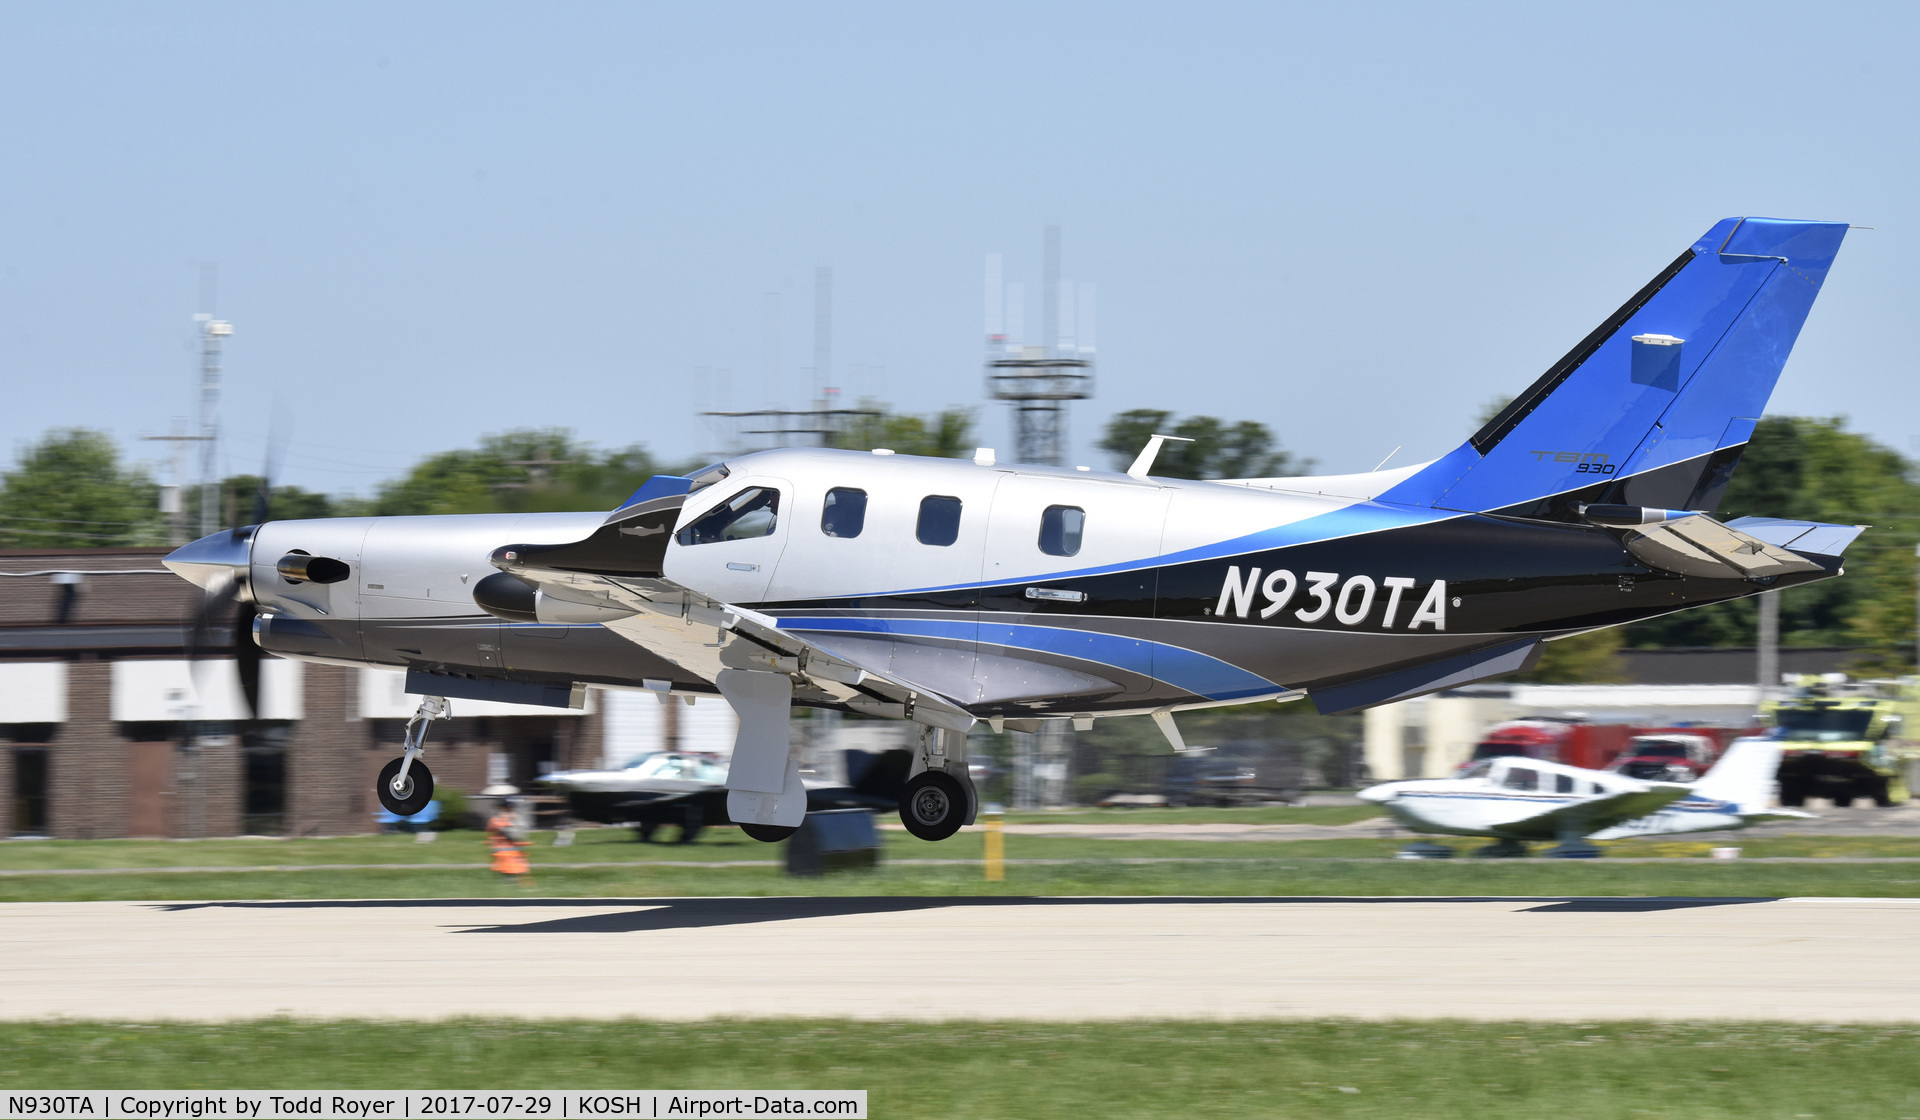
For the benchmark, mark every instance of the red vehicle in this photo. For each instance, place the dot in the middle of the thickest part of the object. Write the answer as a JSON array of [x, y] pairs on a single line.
[[1529, 738], [1599, 746], [1666, 757]]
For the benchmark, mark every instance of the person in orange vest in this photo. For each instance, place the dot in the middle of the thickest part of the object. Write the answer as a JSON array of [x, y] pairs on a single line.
[[508, 843]]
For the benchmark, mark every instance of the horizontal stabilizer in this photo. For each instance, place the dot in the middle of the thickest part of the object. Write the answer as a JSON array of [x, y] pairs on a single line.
[[1700, 546], [1800, 536]]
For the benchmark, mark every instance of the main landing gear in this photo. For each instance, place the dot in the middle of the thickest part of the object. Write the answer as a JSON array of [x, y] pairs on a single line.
[[405, 785], [933, 806]]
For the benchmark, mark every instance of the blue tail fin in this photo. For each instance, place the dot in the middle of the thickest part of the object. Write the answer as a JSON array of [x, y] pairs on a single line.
[[1654, 407]]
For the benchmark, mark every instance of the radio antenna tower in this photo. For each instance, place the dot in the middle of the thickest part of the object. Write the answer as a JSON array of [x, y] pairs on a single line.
[[1039, 380]]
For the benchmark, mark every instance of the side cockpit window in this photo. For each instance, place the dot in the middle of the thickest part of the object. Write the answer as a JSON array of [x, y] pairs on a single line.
[[1060, 530], [939, 520], [1521, 778], [845, 513], [751, 513]]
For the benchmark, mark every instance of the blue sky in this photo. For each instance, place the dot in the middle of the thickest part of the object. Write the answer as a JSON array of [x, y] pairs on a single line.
[[1355, 223]]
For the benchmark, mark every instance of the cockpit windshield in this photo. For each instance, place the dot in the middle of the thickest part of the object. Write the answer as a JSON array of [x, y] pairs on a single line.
[[1824, 725], [1477, 769]]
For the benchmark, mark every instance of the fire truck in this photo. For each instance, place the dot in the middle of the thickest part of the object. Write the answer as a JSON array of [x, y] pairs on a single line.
[[1846, 739]]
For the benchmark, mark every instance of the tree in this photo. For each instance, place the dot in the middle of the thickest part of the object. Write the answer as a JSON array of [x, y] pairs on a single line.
[[70, 491], [1582, 659], [1218, 450], [1811, 468], [946, 435], [524, 470], [240, 503]]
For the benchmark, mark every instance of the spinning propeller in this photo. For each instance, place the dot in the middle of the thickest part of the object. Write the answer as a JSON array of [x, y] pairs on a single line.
[[219, 564]]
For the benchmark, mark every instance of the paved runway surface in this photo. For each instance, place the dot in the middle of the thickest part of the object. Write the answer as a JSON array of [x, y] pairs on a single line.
[[929, 958]]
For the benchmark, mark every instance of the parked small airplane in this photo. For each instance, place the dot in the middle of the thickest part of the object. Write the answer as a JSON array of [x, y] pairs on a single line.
[[1518, 799], [689, 791], [948, 592]]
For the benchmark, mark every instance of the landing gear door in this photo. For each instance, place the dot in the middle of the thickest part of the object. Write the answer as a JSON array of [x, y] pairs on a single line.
[[730, 546]]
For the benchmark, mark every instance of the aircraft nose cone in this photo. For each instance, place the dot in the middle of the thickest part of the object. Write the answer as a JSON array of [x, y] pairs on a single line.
[[214, 560], [1375, 794]]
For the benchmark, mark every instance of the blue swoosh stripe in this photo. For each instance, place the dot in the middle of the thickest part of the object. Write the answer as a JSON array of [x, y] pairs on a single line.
[[1183, 668]]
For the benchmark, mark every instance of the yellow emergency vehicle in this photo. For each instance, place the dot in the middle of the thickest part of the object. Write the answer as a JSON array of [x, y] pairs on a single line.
[[1845, 739]]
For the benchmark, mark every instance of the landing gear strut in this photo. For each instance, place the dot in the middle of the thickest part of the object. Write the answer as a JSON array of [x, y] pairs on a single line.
[[405, 785]]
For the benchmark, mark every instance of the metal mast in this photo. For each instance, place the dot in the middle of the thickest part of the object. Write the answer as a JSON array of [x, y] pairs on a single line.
[[1039, 380], [212, 332]]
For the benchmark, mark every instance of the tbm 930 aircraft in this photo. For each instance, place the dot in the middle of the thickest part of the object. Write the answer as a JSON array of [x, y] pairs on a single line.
[[947, 591]]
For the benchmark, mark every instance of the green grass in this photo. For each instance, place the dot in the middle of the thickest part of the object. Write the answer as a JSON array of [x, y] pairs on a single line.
[[1354, 866], [1265, 814], [1431, 1070], [1265, 876]]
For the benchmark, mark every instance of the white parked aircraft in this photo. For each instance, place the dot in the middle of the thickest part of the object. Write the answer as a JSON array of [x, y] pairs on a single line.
[[1518, 799]]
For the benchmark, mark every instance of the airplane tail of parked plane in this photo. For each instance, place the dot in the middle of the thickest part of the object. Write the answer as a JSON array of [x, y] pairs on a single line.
[[1744, 775], [1654, 407]]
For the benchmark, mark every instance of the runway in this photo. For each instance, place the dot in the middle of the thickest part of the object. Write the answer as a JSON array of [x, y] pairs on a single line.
[[1809, 959]]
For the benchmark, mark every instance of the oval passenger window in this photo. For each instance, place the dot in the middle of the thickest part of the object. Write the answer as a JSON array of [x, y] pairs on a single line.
[[845, 512], [939, 520], [1060, 529]]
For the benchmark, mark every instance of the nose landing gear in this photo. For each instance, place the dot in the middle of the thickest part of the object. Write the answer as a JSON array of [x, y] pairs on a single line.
[[405, 785]]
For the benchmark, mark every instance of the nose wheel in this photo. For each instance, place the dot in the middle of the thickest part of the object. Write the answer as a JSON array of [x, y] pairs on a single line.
[[405, 784], [933, 806], [407, 795]]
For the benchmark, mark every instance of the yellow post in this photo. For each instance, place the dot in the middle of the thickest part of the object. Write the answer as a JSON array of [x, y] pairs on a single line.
[[996, 851]]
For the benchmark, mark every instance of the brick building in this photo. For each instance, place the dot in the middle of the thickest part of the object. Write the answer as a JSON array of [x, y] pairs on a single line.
[[110, 731]]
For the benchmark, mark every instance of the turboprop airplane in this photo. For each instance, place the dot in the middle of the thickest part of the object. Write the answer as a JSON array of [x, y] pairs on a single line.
[[948, 591], [1517, 799]]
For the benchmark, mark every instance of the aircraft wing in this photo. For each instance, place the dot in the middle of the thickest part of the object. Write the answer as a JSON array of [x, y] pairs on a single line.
[[1593, 815], [618, 570]]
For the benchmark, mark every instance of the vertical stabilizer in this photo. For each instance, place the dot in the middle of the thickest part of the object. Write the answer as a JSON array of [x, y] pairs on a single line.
[[1744, 775], [1654, 406]]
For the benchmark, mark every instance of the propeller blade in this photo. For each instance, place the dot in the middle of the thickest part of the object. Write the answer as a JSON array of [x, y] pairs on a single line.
[[279, 432], [246, 656]]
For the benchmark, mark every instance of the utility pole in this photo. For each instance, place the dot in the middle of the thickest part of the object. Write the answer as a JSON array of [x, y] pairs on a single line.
[[172, 495], [1769, 651]]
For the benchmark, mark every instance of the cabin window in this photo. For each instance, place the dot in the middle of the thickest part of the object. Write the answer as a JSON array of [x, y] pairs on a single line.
[[748, 514], [1563, 783], [939, 520], [1521, 778], [845, 513], [1060, 528]]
